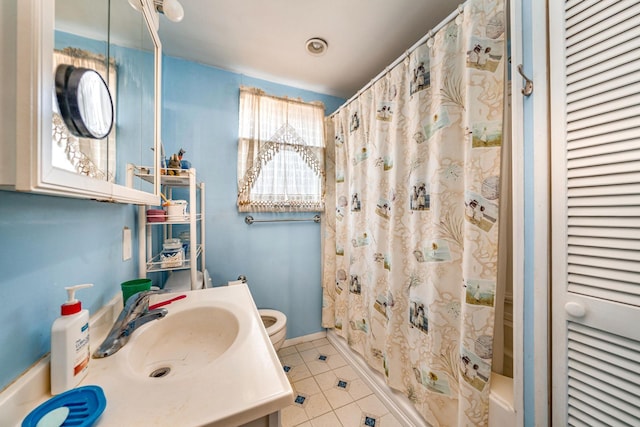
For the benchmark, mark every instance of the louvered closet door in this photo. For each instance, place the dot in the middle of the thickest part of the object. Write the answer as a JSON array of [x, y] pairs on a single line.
[[595, 116]]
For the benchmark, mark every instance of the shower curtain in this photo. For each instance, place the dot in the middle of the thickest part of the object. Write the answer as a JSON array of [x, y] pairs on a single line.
[[410, 251]]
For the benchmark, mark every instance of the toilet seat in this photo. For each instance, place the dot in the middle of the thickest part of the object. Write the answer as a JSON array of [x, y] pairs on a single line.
[[278, 323]]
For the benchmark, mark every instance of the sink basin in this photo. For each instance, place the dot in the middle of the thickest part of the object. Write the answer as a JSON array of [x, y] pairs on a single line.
[[182, 343]]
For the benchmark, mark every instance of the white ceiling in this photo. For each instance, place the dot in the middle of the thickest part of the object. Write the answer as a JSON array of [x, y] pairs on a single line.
[[266, 38]]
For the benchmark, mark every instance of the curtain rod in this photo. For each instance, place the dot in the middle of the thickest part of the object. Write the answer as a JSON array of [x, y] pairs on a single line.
[[261, 92], [426, 37]]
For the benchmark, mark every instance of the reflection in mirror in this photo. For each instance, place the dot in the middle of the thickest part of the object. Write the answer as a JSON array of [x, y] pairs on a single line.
[[87, 32], [132, 46], [84, 102], [82, 46]]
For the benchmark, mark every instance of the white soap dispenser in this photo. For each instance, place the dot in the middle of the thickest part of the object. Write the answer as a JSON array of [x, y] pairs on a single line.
[[70, 343]]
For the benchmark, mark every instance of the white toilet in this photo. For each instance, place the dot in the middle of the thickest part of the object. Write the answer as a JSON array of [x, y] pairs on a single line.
[[274, 321]]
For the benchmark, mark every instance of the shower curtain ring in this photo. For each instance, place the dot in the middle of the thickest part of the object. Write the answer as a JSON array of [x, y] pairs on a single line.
[[430, 41], [459, 18]]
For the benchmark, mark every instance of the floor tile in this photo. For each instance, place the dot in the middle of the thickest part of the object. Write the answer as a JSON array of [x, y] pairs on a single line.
[[305, 346], [321, 342], [327, 420], [389, 421], [372, 405], [298, 373], [327, 349], [318, 367], [342, 384], [336, 361], [292, 360], [305, 424], [349, 415], [369, 420], [292, 416], [317, 405], [300, 400], [346, 372], [337, 398], [307, 386], [326, 380], [359, 389], [309, 355], [285, 351]]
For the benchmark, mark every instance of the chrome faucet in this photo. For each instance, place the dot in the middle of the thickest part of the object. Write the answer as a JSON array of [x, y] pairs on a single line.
[[134, 314]]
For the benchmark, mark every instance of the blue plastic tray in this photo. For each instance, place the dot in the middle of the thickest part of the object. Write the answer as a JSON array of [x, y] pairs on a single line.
[[85, 404]]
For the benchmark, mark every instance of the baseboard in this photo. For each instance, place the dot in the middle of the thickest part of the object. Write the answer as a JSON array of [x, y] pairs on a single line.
[[304, 338], [397, 403]]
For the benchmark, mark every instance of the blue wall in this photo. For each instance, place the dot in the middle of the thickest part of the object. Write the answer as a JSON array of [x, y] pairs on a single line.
[[53, 242], [535, 175], [529, 229], [281, 260], [49, 243]]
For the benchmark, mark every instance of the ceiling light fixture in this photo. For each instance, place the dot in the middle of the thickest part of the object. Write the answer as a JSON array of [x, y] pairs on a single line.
[[316, 46], [172, 9]]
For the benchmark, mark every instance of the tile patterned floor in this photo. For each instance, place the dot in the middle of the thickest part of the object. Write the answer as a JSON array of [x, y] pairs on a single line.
[[327, 390]]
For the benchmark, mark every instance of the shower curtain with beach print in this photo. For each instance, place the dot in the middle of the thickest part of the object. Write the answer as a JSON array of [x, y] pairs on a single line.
[[410, 252]]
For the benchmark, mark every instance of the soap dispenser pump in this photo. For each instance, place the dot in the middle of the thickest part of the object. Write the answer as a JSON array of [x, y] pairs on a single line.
[[70, 343]]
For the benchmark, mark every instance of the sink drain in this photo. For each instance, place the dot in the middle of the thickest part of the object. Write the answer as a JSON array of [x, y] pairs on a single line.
[[160, 372]]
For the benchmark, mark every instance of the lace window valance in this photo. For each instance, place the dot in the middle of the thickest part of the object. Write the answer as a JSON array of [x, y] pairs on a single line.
[[280, 154]]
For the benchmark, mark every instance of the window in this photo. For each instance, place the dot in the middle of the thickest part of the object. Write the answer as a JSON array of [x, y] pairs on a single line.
[[280, 154]]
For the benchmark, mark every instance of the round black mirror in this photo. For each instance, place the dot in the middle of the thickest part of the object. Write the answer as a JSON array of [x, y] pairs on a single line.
[[85, 101]]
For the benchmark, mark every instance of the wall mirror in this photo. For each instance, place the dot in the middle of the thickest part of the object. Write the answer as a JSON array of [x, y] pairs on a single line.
[[107, 41]]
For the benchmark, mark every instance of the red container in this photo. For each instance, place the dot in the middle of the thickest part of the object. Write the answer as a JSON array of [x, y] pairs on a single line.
[[156, 215]]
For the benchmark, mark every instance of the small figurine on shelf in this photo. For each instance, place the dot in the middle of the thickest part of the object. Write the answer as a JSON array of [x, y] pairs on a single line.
[[184, 164], [174, 165]]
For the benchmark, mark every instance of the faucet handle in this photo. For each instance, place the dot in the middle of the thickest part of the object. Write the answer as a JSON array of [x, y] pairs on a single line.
[[148, 293], [139, 299]]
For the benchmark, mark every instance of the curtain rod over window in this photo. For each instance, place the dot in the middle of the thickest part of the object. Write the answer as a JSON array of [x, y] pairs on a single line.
[[261, 92], [453, 15]]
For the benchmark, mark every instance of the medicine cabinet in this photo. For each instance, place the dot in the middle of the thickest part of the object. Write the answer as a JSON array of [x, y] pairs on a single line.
[[122, 45]]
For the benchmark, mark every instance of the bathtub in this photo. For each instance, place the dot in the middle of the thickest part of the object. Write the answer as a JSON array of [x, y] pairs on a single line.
[[501, 412]]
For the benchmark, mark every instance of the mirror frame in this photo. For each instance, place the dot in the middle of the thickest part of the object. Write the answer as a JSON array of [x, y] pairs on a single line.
[[33, 166]]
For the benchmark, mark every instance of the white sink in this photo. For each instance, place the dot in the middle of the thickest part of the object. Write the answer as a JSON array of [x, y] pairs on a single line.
[[208, 362], [182, 343]]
